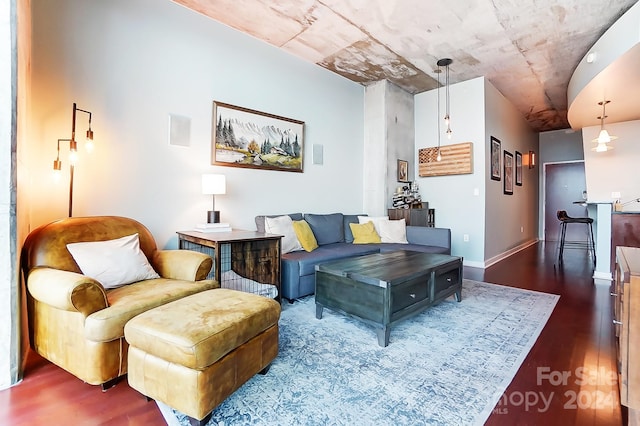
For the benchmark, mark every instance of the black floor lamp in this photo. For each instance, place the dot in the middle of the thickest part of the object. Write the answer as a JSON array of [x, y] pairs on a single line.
[[73, 152]]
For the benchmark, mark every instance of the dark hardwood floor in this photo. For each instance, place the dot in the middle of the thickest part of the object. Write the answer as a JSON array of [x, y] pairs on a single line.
[[570, 375], [568, 378]]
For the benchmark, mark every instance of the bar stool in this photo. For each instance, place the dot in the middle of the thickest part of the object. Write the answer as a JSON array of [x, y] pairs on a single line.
[[589, 244]]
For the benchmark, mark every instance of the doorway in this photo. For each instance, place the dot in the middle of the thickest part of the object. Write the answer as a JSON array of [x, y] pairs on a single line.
[[564, 189]]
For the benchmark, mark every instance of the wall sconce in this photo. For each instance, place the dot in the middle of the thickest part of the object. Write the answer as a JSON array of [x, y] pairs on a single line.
[[531, 159], [213, 185], [603, 138], [73, 152]]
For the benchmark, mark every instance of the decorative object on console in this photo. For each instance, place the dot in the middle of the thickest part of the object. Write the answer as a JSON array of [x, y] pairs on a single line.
[[407, 196], [73, 152], [604, 137], [213, 184], [248, 138], [457, 160]]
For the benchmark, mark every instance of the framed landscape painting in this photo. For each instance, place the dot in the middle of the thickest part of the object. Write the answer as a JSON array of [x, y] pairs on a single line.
[[248, 138], [508, 173], [495, 158]]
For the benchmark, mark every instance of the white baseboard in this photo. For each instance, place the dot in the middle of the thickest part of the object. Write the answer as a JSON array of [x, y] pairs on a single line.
[[602, 278], [504, 255]]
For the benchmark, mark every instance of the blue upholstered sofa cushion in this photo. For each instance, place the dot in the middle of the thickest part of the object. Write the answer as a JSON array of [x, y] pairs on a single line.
[[301, 263], [347, 219], [327, 228]]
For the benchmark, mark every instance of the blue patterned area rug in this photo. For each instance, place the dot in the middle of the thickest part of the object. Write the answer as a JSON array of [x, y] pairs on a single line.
[[447, 366]]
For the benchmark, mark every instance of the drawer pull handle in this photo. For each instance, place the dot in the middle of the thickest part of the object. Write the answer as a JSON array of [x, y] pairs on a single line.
[[616, 322], [614, 294], [413, 295]]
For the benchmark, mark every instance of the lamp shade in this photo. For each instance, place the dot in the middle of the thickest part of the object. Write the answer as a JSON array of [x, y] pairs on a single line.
[[213, 184], [604, 137]]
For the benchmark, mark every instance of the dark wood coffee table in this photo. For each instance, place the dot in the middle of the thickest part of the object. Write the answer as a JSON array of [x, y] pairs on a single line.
[[384, 288]]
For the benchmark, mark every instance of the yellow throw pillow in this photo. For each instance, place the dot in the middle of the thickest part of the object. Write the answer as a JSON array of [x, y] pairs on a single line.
[[305, 235], [364, 233]]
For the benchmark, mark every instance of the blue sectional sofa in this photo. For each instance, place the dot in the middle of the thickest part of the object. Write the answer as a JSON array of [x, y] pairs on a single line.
[[335, 241]]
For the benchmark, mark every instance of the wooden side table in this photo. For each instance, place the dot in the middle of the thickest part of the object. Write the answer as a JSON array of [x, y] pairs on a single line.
[[414, 217], [249, 259]]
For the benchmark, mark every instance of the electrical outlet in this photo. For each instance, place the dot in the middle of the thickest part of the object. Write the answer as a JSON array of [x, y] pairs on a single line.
[[465, 237], [522, 229], [615, 195]]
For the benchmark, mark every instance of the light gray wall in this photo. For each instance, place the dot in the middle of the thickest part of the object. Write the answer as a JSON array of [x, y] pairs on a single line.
[[557, 146], [560, 145], [473, 204], [8, 258], [511, 220], [374, 153], [400, 137], [615, 170], [454, 197], [134, 62]]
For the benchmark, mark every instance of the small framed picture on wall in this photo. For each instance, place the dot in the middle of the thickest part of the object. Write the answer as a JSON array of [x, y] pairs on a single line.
[[508, 173], [518, 168], [495, 158], [403, 171]]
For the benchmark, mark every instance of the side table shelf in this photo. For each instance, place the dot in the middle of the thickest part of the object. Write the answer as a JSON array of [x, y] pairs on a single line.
[[414, 217], [242, 260]]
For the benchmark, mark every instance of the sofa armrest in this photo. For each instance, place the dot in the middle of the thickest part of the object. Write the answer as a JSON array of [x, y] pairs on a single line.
[[426, 236], [66, 290], [182, 264]]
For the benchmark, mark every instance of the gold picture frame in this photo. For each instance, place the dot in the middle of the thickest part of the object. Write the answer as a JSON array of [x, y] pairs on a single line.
[[243, 137]]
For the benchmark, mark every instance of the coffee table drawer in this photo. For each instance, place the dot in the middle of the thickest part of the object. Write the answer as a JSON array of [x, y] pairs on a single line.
[[444, 280], [408, 293]]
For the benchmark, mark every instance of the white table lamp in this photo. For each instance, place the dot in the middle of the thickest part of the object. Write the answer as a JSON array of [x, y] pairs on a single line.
[[213, 184]]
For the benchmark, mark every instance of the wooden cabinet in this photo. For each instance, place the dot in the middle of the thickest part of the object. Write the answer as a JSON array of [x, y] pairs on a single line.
[[625, 232], [414, 217], [242, 260], [627, 323]]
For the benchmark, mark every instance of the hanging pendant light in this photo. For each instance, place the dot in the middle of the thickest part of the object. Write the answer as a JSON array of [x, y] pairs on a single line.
[[447, 118], [604, 137], [445, 62], [439, 156]]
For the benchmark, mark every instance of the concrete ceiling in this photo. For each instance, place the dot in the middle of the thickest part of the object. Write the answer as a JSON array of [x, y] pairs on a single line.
[[528, 49]]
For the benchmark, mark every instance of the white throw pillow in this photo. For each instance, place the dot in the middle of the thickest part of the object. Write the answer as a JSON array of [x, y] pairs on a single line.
[[113, 263], [375, 219], [393, 231], [283, 225]]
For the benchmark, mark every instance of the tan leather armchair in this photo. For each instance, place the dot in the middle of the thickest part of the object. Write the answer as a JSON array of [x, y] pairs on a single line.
[[74, 321]]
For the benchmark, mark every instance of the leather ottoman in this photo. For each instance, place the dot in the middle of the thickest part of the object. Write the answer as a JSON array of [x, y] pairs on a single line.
[[191, 354]]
